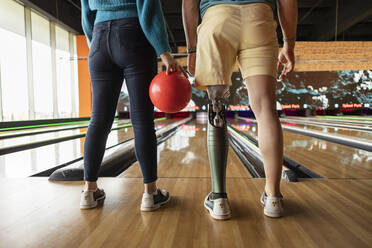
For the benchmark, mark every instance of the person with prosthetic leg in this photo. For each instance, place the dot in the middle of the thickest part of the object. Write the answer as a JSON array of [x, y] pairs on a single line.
[[216, 202], [243, 31]]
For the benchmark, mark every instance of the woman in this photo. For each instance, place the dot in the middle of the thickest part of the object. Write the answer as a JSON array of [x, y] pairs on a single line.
[[243, 30], [125, 37]]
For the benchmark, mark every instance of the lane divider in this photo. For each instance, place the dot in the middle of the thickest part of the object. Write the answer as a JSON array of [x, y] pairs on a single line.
[[115, 161], [344, 117], [36, 144], [6, 129], [6, 135], [339, 139], [248, 153], [321, 124], [291, 170]]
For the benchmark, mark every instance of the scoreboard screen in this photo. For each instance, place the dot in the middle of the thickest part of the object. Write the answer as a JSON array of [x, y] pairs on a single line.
[[300, 90]]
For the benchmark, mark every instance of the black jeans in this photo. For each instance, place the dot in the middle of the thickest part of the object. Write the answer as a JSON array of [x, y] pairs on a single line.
[[120, 50]]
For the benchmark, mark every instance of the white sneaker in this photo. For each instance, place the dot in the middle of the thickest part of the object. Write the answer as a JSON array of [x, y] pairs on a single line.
[[89, 198], [273, 206], [218, 208], [153, 201]]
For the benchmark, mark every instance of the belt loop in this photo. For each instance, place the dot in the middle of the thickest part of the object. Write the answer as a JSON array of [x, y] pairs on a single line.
[[109, 25]]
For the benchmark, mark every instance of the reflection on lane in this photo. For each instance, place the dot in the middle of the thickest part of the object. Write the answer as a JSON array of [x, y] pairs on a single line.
[[361, 135], [355, 122], [323, 157], [181, 139], [185, 155], [57, 127], [45, 136], [28, 162]]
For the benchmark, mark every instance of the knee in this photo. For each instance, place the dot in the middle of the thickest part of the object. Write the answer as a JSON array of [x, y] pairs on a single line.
[[263, 107], [101, 122], [142, 121]]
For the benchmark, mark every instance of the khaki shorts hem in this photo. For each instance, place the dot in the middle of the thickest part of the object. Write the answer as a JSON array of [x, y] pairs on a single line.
[[204, 86], [257, 72]]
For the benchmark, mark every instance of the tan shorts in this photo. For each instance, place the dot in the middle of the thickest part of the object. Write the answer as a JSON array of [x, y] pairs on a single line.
[[229, 32]]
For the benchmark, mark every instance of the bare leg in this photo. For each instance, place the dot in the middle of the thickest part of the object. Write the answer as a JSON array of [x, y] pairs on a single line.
[[261, 91], [150, 187], [90, 185]]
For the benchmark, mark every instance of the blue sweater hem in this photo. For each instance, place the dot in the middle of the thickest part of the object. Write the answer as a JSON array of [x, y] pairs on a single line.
[[108, 15], [149, 13]]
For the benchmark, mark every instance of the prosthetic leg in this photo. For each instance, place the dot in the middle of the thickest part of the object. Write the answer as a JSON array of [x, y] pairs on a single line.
[[216, 202]]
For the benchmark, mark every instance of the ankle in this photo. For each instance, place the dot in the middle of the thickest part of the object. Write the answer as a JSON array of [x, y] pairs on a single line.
[[272, 192], [214, 196], [151, 188], [90, 186]]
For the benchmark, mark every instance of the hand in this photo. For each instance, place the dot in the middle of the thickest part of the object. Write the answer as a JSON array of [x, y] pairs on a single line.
[[191, 58], [286, 60], [170, 63]]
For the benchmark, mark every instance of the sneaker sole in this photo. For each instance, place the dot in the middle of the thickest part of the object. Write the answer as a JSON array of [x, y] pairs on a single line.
[[155, 207], [272, 215], [93, 205], [217, 217]]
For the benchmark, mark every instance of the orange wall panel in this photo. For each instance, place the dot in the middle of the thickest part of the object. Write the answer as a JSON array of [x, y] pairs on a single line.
[[85, 95]]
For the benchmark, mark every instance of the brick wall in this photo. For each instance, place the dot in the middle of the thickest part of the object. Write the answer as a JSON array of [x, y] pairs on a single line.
[[324, 56]]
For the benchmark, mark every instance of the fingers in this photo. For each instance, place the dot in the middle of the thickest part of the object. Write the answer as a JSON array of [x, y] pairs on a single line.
[[174, 67], [168, 70], [278, 66], [288, 67], [182, 70], [285, 64], [171, 68]]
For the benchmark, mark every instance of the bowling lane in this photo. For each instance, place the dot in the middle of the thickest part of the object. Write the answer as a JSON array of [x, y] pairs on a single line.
[[355, 118], [32, 161], [353, 122], [325, 158], [185, 155], [52, 127], [351, 133], [50, 134]]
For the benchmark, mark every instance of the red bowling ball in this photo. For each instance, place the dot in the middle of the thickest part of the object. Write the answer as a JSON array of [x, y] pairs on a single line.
[[170, 93]]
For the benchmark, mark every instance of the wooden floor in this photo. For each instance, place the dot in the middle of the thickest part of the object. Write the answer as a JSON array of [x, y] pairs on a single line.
[[318, 213]]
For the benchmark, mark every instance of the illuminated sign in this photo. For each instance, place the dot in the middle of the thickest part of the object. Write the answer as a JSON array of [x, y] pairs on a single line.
[[290, 106], [351, 105], [239, 107]]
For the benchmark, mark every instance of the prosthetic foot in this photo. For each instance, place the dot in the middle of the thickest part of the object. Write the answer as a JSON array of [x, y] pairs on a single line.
[[216, 202]]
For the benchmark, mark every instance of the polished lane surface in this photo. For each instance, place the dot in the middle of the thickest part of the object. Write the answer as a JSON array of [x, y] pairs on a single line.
[[52, 134], [325, 158], [348, 133], [53, 127], [32, 161], [185, 154], [354, 122]]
